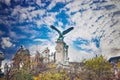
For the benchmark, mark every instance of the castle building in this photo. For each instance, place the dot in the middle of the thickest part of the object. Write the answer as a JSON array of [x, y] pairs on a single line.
[[21, 59], [37, 63], [45, 54]]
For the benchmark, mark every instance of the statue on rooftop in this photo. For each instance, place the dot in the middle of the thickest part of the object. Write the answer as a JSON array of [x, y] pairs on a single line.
[[61, 47]]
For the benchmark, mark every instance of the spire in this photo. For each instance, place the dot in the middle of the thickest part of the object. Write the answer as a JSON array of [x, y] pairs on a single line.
[[21, 47]]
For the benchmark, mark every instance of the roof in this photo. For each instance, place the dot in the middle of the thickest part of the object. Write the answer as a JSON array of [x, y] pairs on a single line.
[[114, 59]]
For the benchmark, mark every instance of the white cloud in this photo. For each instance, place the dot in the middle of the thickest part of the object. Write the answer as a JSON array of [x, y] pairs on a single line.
[[23, 16], [22, 13], [29, 14], [38, 2], [8, 2], [14, 35], [77, 56], [41, 40], [6, 42], [86, 24], [54, 2], [49, 19], [41, 47], [40, 12], [74, 6]]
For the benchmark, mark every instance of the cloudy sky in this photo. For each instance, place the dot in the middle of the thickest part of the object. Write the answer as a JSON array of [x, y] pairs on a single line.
[[27, 22]]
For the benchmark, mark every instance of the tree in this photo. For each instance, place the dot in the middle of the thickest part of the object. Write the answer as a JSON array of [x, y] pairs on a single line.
[[23, 75], [53, 74], [97, 68]]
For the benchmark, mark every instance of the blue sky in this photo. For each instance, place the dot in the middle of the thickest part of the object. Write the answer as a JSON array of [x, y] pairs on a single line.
[[27, 22]]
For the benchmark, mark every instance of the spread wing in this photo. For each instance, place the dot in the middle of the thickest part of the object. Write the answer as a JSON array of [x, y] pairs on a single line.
[[68, 30], [53, 27]]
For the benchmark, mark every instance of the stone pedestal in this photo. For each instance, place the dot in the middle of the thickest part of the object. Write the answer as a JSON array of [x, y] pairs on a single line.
[[61, 54]]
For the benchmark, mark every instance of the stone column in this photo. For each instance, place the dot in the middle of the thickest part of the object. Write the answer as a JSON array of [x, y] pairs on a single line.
[[60, 52], [66, 54]]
